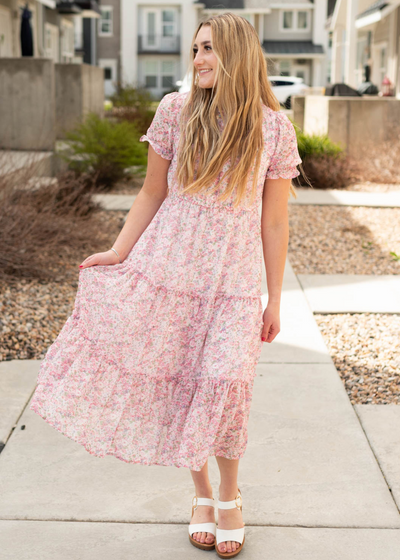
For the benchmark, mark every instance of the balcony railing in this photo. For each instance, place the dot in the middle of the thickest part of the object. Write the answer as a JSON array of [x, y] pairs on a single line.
[[159, 44]]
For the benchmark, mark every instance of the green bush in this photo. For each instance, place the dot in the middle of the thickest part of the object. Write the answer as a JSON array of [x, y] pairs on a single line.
[[324, 163], [316, 145], [105, 149], [128, 96], [133, 105]]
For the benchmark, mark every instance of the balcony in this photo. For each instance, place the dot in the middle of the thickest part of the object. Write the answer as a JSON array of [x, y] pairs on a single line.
[[159, 44]]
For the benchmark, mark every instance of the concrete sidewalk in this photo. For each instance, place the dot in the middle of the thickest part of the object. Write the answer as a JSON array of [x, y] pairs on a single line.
[[352, 293], [313, 487], [317, 197], [336, 197]]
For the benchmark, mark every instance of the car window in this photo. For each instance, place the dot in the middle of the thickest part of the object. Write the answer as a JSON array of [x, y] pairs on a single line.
[[281, 83]]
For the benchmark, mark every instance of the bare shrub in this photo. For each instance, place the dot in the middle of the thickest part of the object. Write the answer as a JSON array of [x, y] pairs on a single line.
[[44, 225], [141, 118], [379, 162], [331, 172], [375, 161]]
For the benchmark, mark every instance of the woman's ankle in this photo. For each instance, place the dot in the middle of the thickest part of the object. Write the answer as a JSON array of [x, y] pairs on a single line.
[[204, 491], [226, 493]]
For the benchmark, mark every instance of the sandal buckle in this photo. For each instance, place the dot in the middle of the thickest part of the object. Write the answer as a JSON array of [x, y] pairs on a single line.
[[194, 502], [238, 501]]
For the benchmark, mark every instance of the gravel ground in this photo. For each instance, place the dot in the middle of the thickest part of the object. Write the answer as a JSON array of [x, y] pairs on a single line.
[[365, 348], [32, 312], [131, 186], [344, 240]]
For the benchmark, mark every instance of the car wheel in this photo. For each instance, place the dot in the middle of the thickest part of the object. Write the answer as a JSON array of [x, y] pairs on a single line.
[[288, 102]]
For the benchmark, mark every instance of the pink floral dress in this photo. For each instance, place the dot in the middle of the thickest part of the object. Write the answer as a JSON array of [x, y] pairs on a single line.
[[156, 363]]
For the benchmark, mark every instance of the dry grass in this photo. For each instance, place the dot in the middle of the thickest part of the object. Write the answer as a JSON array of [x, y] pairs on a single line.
[[44, 226], [379, 163]]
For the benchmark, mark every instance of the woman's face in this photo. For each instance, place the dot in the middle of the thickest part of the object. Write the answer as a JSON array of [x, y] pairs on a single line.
[[205, 60]]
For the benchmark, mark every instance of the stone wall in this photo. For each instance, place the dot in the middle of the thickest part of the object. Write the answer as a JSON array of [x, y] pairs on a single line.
[[40, 100], [353, 122], [27, 104], [79, 91]]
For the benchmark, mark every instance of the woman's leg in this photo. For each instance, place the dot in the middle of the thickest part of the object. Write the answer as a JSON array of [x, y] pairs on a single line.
[[203, 514], [228, 489]]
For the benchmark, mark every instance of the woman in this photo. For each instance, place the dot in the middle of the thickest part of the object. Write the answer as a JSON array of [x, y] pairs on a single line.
[[156, 364]]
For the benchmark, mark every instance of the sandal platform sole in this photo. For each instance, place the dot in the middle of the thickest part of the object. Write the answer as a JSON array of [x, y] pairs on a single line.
[[202, 546], [230, 554]]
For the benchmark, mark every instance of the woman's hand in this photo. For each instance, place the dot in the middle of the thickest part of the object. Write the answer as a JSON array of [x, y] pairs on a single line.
[[107, 257], [272, 324]]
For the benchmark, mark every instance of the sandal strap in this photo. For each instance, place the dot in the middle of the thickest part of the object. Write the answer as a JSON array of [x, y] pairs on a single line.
[[236, 503], [224, 535], [204, 501], [202, 528], [227, 505]]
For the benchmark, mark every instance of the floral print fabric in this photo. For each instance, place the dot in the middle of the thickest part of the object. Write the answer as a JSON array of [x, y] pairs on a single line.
[[156, 363]]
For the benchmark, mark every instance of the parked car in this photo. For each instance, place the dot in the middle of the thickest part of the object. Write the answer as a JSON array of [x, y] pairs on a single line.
[[286, 86], [282, 86]]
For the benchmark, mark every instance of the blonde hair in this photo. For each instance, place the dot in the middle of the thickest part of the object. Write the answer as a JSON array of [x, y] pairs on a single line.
[[241, 85]]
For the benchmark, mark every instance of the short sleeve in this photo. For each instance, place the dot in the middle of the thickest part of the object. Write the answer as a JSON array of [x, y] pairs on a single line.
[[286, 156], [161, 132]]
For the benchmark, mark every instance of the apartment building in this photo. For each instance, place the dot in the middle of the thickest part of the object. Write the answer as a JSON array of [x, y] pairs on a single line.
[[365, 38], [54, 28], [155, 42], [156, 37], [109, 43]]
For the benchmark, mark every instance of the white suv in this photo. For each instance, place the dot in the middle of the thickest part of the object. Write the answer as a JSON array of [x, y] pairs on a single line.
[[286, 86], [282, 86]]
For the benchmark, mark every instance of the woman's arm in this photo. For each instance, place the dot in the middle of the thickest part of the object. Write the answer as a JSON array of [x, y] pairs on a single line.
[[143, 210], [275, 238]]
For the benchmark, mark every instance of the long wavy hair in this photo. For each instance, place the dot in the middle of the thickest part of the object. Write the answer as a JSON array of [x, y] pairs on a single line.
[[241, 84]]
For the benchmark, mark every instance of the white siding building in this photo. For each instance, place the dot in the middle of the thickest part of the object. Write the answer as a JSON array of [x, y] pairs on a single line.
[[156, 37], [365, 33]]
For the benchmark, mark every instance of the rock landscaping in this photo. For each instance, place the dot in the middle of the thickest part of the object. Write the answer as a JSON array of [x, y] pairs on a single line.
[[365, 348], [344, 240], [33, 311]]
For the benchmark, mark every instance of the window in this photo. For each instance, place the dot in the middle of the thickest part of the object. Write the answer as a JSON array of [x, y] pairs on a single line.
[[284, 68], [106, 21], [295, 20], [167, 71], [52, 42], [151, 28], [159, 74], [168, 23], [78, 33], [302, 20], [151, 73], [48, 39], [288, 20], [382, 65], [67, 39], [108, 73], [277, 83]]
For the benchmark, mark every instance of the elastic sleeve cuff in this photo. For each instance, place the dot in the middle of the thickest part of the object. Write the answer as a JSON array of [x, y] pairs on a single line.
[[156, 147], [286, 174]]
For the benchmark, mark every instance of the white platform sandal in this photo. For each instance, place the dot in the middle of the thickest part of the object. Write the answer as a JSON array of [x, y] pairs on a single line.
[[202, 527], [236, 535]]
